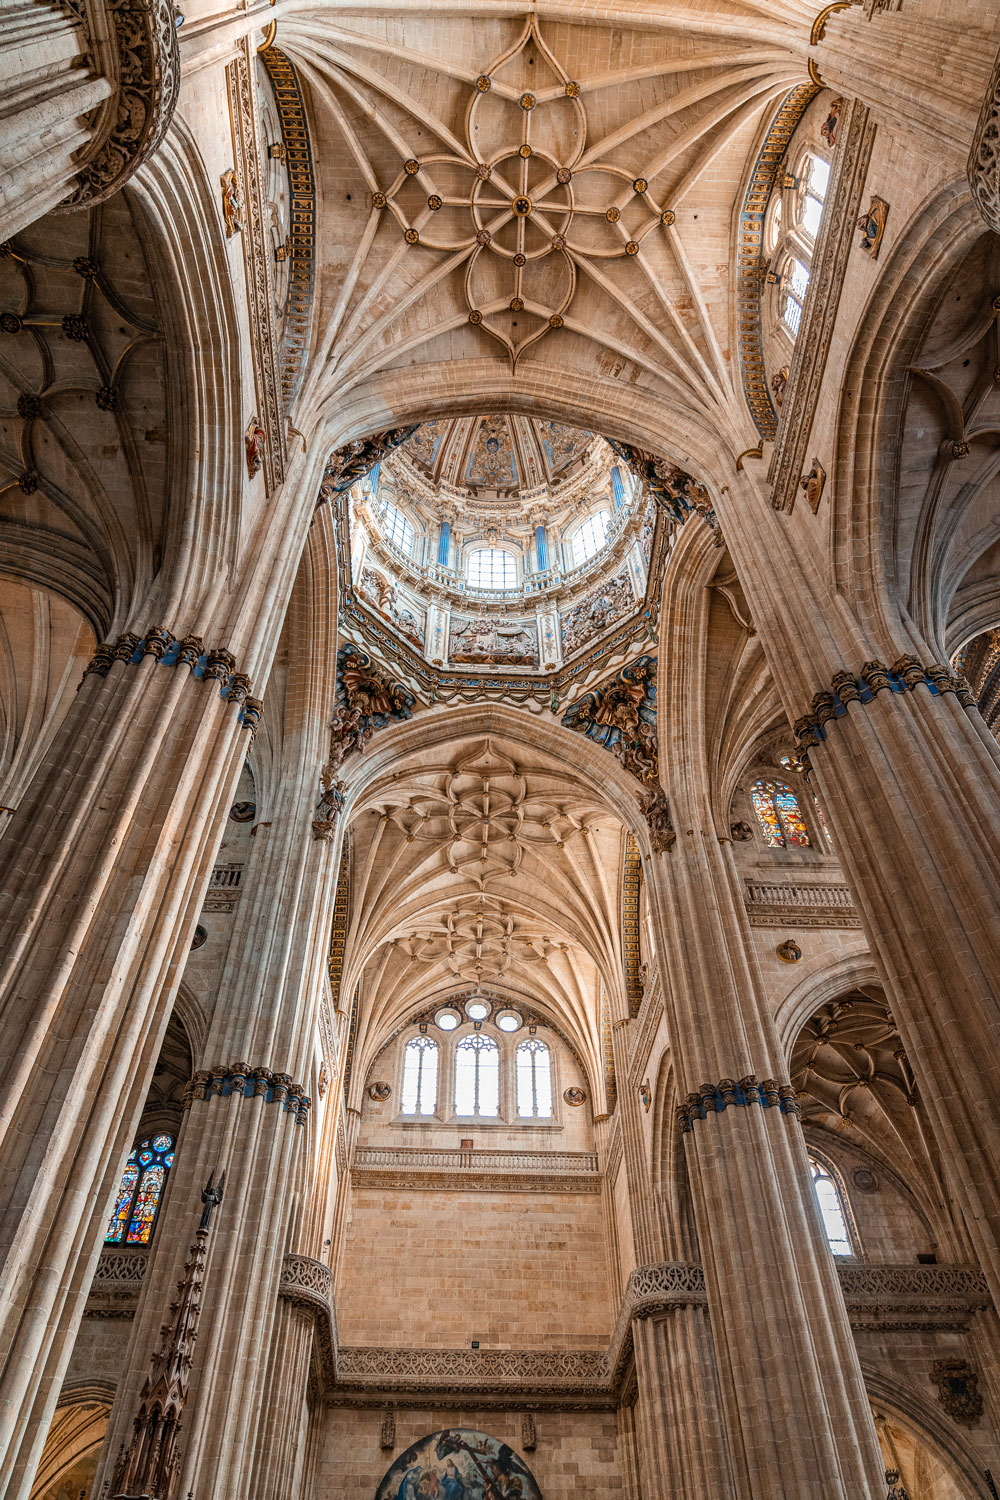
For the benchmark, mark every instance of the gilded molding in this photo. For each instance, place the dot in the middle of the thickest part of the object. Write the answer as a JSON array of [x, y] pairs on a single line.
[[302, 209], [215, 665], [728, 1093], [146, 71], [242, 86], [855, 138], [251, 1083], [752, 261], [983, 168], [620, 715], [903, 676], [631, 951]]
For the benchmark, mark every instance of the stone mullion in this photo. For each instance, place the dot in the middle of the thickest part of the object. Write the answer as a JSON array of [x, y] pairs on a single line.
[[797, 1414], [98, 875]]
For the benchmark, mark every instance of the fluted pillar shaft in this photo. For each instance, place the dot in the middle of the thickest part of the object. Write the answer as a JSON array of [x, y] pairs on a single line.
[[281, 1438], [921, 75], [909, 780], [797, 1415], [683, 1450], [99, 874]]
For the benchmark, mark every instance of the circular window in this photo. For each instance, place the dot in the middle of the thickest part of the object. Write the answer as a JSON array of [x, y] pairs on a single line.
[[448, 1019], [477, 1010], [508, 1020]]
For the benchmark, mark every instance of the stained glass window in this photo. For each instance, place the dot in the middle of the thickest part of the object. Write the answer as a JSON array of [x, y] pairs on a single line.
[[777, 809], [534, 1080], [420, 1076], [830, 1206], [491, 568], [140, 1192], [477, 1076], [590, 538]]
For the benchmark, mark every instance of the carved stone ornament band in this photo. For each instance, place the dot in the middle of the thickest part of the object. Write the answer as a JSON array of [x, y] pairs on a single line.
[[251, 1083], [903, 676], [715, 1097], [147, 78], [983, 167], [214, 666]]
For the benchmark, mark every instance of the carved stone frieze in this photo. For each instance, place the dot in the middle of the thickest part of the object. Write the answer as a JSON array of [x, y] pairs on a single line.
[[140, 39], [875, 677], [984, 159], [715, 1098], [477, 1171], [214, 665], [246, 1081], [773, 905]]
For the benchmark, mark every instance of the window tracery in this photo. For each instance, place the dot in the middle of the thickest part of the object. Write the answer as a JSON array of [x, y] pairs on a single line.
[[534, 1080], [793, 228], [420, 1070], [779, 815], [477, 1076], [140, 1191]]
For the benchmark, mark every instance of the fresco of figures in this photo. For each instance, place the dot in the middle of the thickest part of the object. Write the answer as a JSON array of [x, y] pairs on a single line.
[[459, 1464]]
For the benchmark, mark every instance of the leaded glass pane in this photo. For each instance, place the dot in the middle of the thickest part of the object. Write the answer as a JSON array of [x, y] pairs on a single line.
[[477, 1076], [420, 1069], [777, 809], [119, 1214], [147, 1201], [533, 1071], [830, 1206]]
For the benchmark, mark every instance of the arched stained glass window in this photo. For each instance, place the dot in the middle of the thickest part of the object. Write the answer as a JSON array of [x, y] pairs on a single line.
[[832, 1208], [140, 1192], [477, 1076], [420, 1076], [533, 1068], [777, 809]]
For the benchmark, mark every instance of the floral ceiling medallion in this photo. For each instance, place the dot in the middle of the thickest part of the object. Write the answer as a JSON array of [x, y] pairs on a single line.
[[523, 201]]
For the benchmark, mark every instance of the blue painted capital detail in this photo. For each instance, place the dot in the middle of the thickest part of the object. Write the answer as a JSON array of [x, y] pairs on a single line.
[[902, 677], [252, 1083], [713, 1098], [207, 665]]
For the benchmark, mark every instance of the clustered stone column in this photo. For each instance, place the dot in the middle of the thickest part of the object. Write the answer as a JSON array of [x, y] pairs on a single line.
[[909, 779], [797, 1415], [100, 869]]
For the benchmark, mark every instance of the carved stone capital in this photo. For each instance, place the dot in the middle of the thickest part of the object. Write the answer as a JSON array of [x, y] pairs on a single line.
[[141, 55]]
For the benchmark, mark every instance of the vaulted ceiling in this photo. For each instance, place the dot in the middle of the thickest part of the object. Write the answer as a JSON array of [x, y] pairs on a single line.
[[553, 191]]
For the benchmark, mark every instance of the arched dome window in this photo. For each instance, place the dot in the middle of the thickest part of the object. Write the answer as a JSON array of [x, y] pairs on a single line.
[[831, 1206], [533, 1068], [589, 538], [420, 1073], [396, 527], [779, 815], [477, 1076], [140, 1192], [491, 568]]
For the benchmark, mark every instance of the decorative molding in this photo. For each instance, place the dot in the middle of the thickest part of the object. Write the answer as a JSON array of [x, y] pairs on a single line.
[[983, 167], [223, 888], [620, 715], [673, 490], [405, 1169], [752, 262], [302, 210], [214, 665], [958, 1390], [902, 677], [631, 950], [251, 1083], [855, 138], [366, 700], [716, 1097], [356, 460], [656, 810], [902, 1297], [772, 905], [338, 928], [241, 79], [147, 80]]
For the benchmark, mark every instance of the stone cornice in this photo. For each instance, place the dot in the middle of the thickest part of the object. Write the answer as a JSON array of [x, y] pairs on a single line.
[[887, 1297], [770, 904], [836, 236], [408, 1168]]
